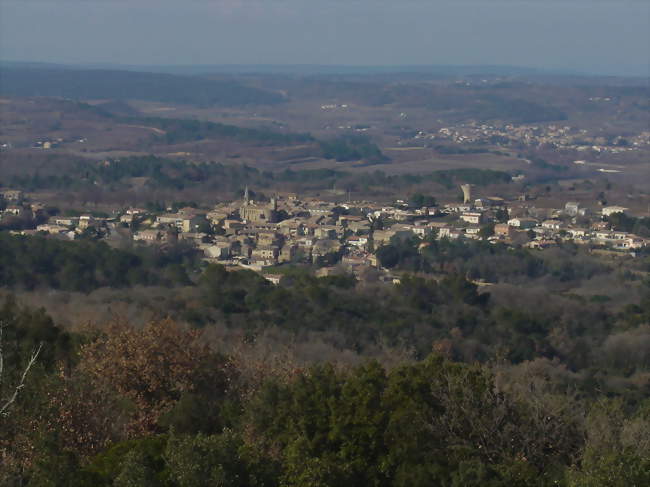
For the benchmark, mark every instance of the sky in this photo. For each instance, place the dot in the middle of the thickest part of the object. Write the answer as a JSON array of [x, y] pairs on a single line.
[[586, 36]]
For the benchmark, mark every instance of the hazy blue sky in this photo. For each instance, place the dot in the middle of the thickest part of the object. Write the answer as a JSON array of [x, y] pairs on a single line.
[[602, 36]]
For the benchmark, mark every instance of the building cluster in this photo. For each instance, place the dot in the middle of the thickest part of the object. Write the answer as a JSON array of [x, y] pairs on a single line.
[[14, 205], [550, 136], [41, 143], [286, 229]]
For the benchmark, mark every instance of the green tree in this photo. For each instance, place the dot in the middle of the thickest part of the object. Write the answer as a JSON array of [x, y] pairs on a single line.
[[196, 461], [486, 231]]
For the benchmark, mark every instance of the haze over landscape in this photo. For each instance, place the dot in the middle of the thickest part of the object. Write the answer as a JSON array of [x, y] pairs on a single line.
[[584, 36], [324, 243]]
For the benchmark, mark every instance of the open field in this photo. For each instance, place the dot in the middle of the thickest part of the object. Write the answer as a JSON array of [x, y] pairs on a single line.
[[402, 116]]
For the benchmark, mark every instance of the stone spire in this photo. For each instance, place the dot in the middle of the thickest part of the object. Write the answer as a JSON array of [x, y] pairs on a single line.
[[246, 196]]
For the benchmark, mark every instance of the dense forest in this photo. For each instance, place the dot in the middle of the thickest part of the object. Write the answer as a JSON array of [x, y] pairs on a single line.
[[96, 84], [159, 406], [353, 148], [85, 265], [177, 131]]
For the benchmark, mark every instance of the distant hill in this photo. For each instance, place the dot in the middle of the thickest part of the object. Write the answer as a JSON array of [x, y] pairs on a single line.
[[297, 69], [126, 85]]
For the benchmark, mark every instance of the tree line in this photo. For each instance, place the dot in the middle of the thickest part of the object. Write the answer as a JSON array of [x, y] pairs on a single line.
[[84, 265], [176, 174]]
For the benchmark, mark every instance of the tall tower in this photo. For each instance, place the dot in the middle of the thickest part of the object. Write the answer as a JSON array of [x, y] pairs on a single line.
[[467, 193], [246, 196]]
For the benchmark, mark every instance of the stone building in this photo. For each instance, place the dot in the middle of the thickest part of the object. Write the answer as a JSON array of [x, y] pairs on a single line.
[[252, 212]]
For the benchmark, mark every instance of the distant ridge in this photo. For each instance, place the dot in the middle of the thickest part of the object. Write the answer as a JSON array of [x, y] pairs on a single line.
[[308, 70], [298, 69], [35, 79]]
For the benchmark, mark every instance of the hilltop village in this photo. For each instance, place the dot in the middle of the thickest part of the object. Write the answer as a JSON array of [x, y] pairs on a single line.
[[333, 237]]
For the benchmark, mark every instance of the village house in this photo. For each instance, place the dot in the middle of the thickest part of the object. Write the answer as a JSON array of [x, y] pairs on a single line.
[[291, 227], [268, 238], [196, 237], [127, 218], [273, 278], [265, 255], [218, 250], [288, 253], [244, 250], [66, 221], [472, 232], [15, 210], [473, 217], [427, 211], [552, 224], [86, 221], [355, 262], [148, 236], [306, 241], [421, 230], [572, 208], [322, 209], [450, 233], [390, 279], [604, 236], [362, 226], [184, 222], [358, 241], [578, 232], [309, 228], [503, 230], [326, 232], [633, 242], [540, 244], [610, 210], [382, 237], [12, 195], [232, 225], [522, 222], [324, 247], [37, 208], [597, 226], [217, 217], [52, 228], [346, 220]]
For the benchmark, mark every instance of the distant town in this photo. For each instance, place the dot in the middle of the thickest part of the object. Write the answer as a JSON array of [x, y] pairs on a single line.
[[548, 136]]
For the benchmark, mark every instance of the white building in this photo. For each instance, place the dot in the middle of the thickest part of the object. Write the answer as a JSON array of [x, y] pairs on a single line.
[[610, 210], [522, 222], [473, 217]]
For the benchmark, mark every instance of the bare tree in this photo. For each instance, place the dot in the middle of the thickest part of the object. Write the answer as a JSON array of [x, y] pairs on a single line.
[[6, 402]]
